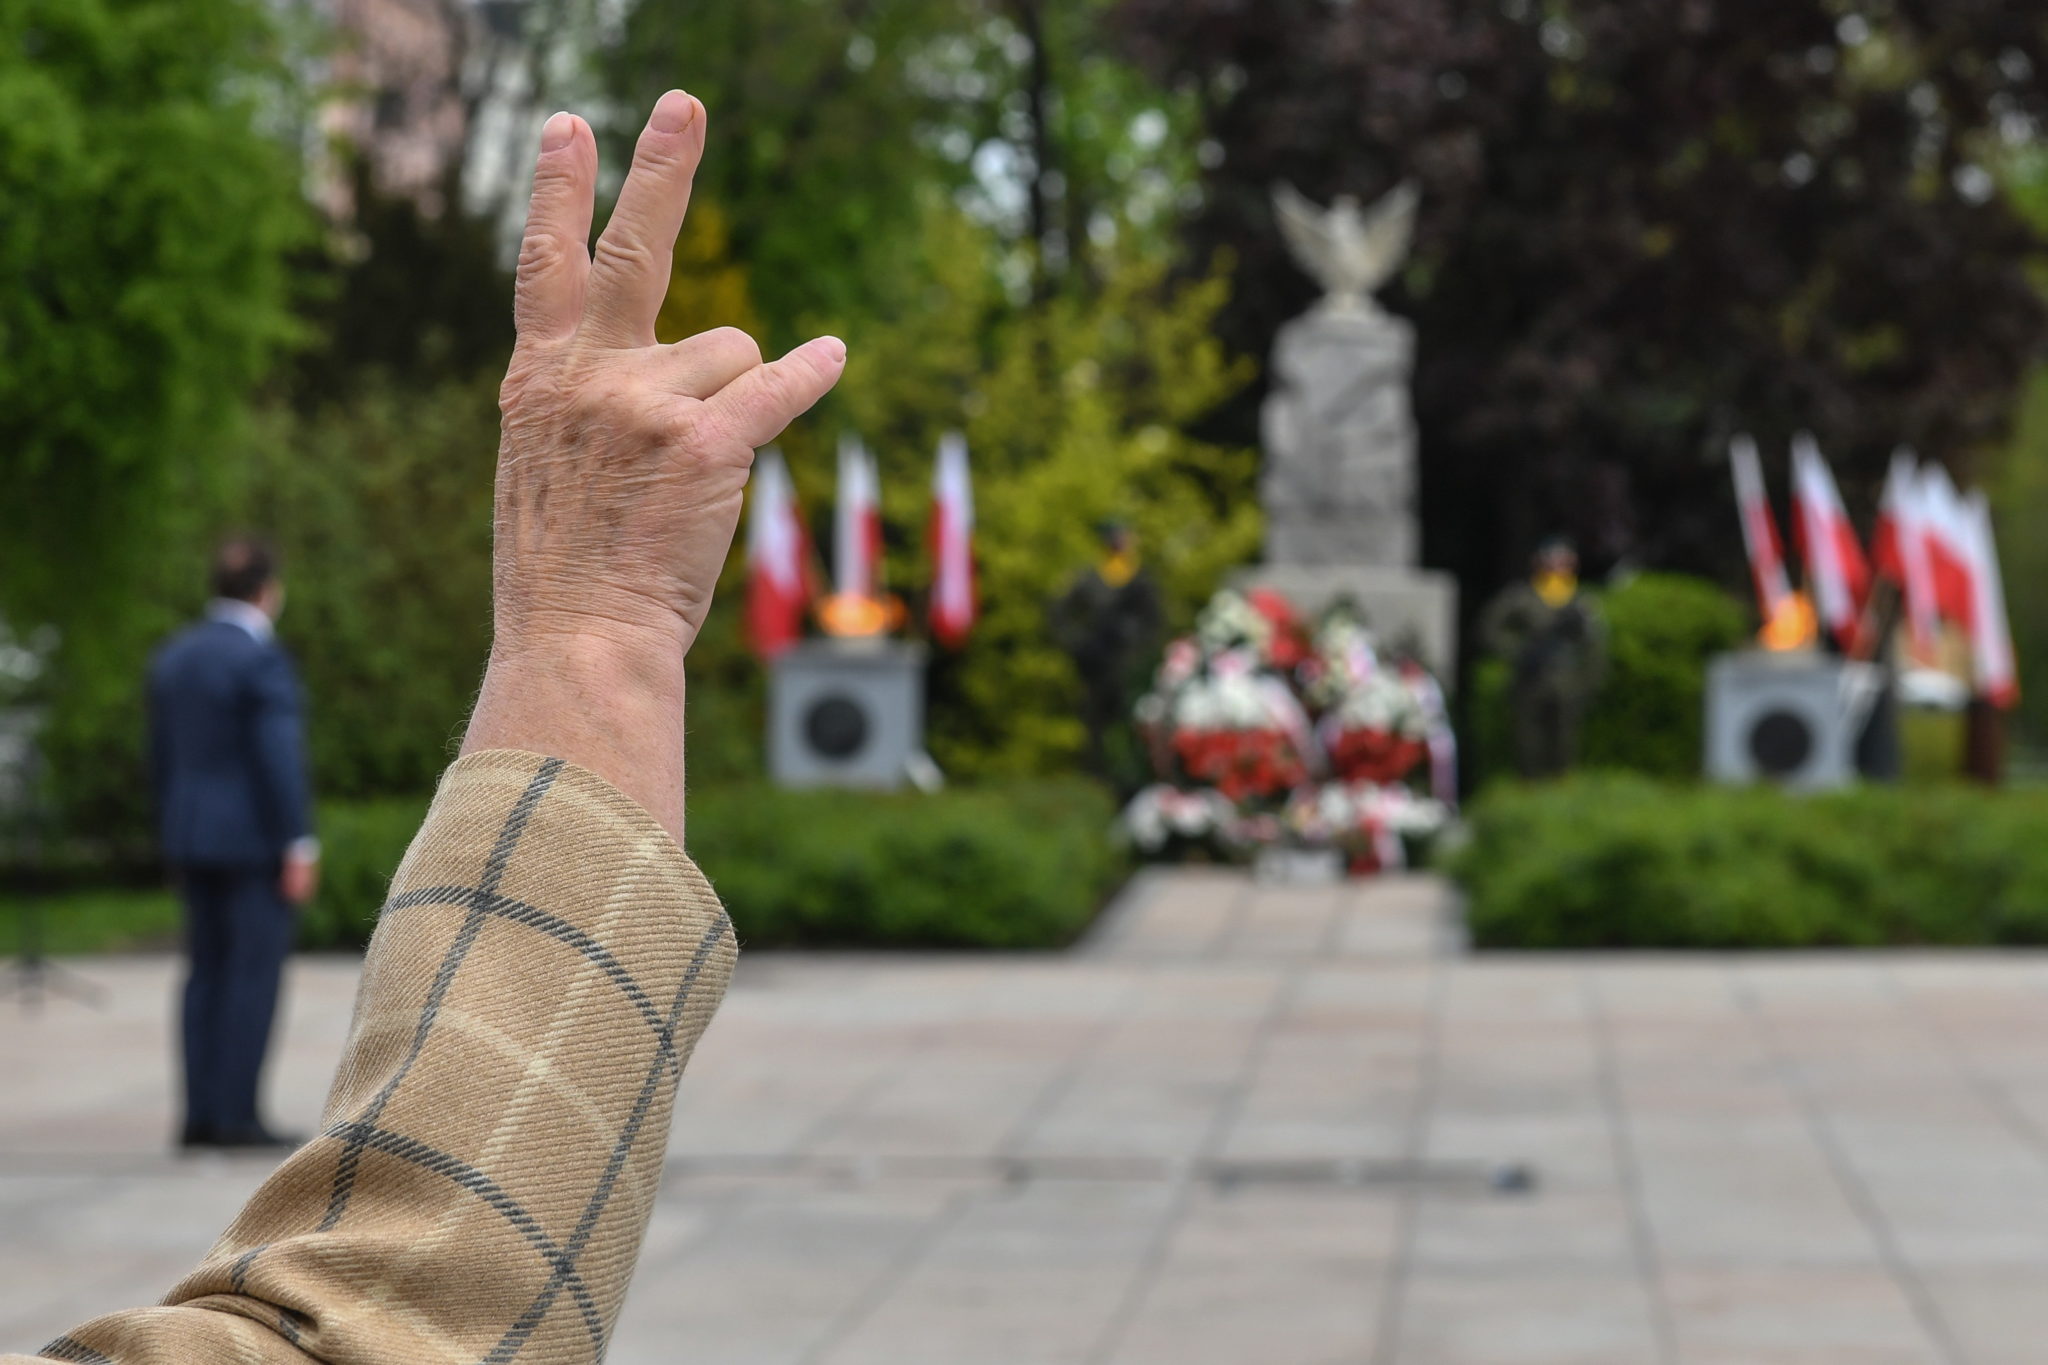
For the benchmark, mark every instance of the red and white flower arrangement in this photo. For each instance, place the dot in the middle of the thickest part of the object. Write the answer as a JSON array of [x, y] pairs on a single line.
[[1265, 734]]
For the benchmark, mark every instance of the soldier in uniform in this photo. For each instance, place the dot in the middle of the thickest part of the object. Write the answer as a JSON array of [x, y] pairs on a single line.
[[1108, 621], [1556, 646]]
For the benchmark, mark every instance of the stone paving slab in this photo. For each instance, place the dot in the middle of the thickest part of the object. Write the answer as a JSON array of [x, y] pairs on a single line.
[[1238, 1124]]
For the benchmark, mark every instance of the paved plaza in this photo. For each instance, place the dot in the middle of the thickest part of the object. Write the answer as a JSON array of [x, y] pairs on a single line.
[[1240, 1126]]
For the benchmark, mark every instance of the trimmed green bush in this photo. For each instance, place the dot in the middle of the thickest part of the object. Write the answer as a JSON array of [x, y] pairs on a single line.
[[1661, 630], [1610, 861], [1015, 866], [361, 843]]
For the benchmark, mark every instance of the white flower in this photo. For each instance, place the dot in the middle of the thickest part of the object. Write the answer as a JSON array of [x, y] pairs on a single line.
[[1160, 812], [1230, 619], [1221, 701]]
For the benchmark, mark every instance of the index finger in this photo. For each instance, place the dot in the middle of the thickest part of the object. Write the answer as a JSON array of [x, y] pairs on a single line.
[[547, 300]]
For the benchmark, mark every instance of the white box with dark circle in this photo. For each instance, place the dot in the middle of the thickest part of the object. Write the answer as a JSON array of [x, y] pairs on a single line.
[[1793, 719], [846, 713]]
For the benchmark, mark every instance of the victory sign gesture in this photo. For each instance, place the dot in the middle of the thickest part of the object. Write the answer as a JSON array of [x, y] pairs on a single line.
[[621, 466]]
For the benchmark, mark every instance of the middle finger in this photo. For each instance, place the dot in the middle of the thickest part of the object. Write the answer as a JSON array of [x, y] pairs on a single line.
[[630, 268]]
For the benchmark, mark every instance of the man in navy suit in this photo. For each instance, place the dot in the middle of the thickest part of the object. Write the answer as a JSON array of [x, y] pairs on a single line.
[[227, 752]]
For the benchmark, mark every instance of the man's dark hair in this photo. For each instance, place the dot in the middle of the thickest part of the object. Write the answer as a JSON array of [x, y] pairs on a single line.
[[242, 567]]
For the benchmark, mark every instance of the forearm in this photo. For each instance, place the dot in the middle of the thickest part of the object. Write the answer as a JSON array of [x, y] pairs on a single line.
[[611, 703], [488, 1160]]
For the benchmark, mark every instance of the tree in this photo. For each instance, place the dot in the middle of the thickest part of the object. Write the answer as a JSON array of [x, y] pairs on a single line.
[[150, 211], [1643, 227], [818, 112], [831, 119], [1131, 364], [152, 197], [983, 201]]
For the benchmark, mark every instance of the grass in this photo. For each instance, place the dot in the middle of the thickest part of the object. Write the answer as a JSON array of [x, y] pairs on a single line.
[[95, 920]]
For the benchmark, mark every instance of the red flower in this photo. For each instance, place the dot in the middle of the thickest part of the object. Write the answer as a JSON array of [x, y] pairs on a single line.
[[1376, 756]]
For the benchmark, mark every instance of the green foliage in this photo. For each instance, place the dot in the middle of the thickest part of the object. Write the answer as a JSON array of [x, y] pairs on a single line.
[[1643, 226], [1074, 411], [380, 505], [407, 296], [91, 920], [1624, 862], [1662, 629], [856, 111], [361, 845], [1932, 744], [1017, 866], [2019, 493], [1075, 408], [381, 508], [811, 104], [152, 202]]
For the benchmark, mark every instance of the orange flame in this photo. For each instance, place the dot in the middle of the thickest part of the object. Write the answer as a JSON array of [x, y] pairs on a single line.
[[852, 616], [1792, 626]]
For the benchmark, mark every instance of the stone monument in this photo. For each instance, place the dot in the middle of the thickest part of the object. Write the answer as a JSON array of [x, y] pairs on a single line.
[[1339, 485]]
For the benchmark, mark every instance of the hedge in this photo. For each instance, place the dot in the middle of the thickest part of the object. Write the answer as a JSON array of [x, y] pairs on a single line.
[[361, 843], [1022, 865], [1610, 861], [1014, 866]]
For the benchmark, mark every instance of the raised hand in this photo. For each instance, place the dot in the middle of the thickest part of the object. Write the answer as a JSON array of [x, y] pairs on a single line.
[[621, 467], [623, 461]]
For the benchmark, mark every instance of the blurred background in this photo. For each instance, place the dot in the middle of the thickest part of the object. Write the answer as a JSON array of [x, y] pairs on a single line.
[[255, 274]]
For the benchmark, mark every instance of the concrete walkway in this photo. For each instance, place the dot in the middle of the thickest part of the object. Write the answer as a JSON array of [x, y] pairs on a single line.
[[1241, 1126]]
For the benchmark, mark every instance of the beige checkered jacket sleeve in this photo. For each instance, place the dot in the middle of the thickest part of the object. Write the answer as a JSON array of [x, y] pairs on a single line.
[[488, 1160]]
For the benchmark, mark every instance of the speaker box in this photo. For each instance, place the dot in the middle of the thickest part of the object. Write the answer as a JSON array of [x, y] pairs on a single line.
[[846, 713], [1791, 718]]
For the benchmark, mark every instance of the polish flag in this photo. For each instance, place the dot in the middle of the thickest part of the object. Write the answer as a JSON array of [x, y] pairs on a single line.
[[778, 560], [1990, 631], [857, 530], [1759, 529], [952, 543], [1837, 574], [1901, 550], [1950, 534]]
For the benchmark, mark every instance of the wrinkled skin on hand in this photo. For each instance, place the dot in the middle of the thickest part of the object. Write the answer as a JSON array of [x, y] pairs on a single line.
[[623, 462], [621, 469]]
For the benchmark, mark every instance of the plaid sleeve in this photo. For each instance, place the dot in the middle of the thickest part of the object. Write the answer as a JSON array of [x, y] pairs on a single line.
[[488, 1160]]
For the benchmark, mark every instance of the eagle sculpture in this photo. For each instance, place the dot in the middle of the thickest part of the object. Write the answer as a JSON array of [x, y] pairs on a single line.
[[1349, 249]]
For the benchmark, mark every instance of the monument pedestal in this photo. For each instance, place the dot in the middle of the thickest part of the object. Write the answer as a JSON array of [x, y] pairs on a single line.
[[1339, 481], [846, 713], [1794, 718], [1338, 488]]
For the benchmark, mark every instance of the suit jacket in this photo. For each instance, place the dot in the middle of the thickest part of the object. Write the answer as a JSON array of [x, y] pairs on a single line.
[[227, 748], [543, 968]]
